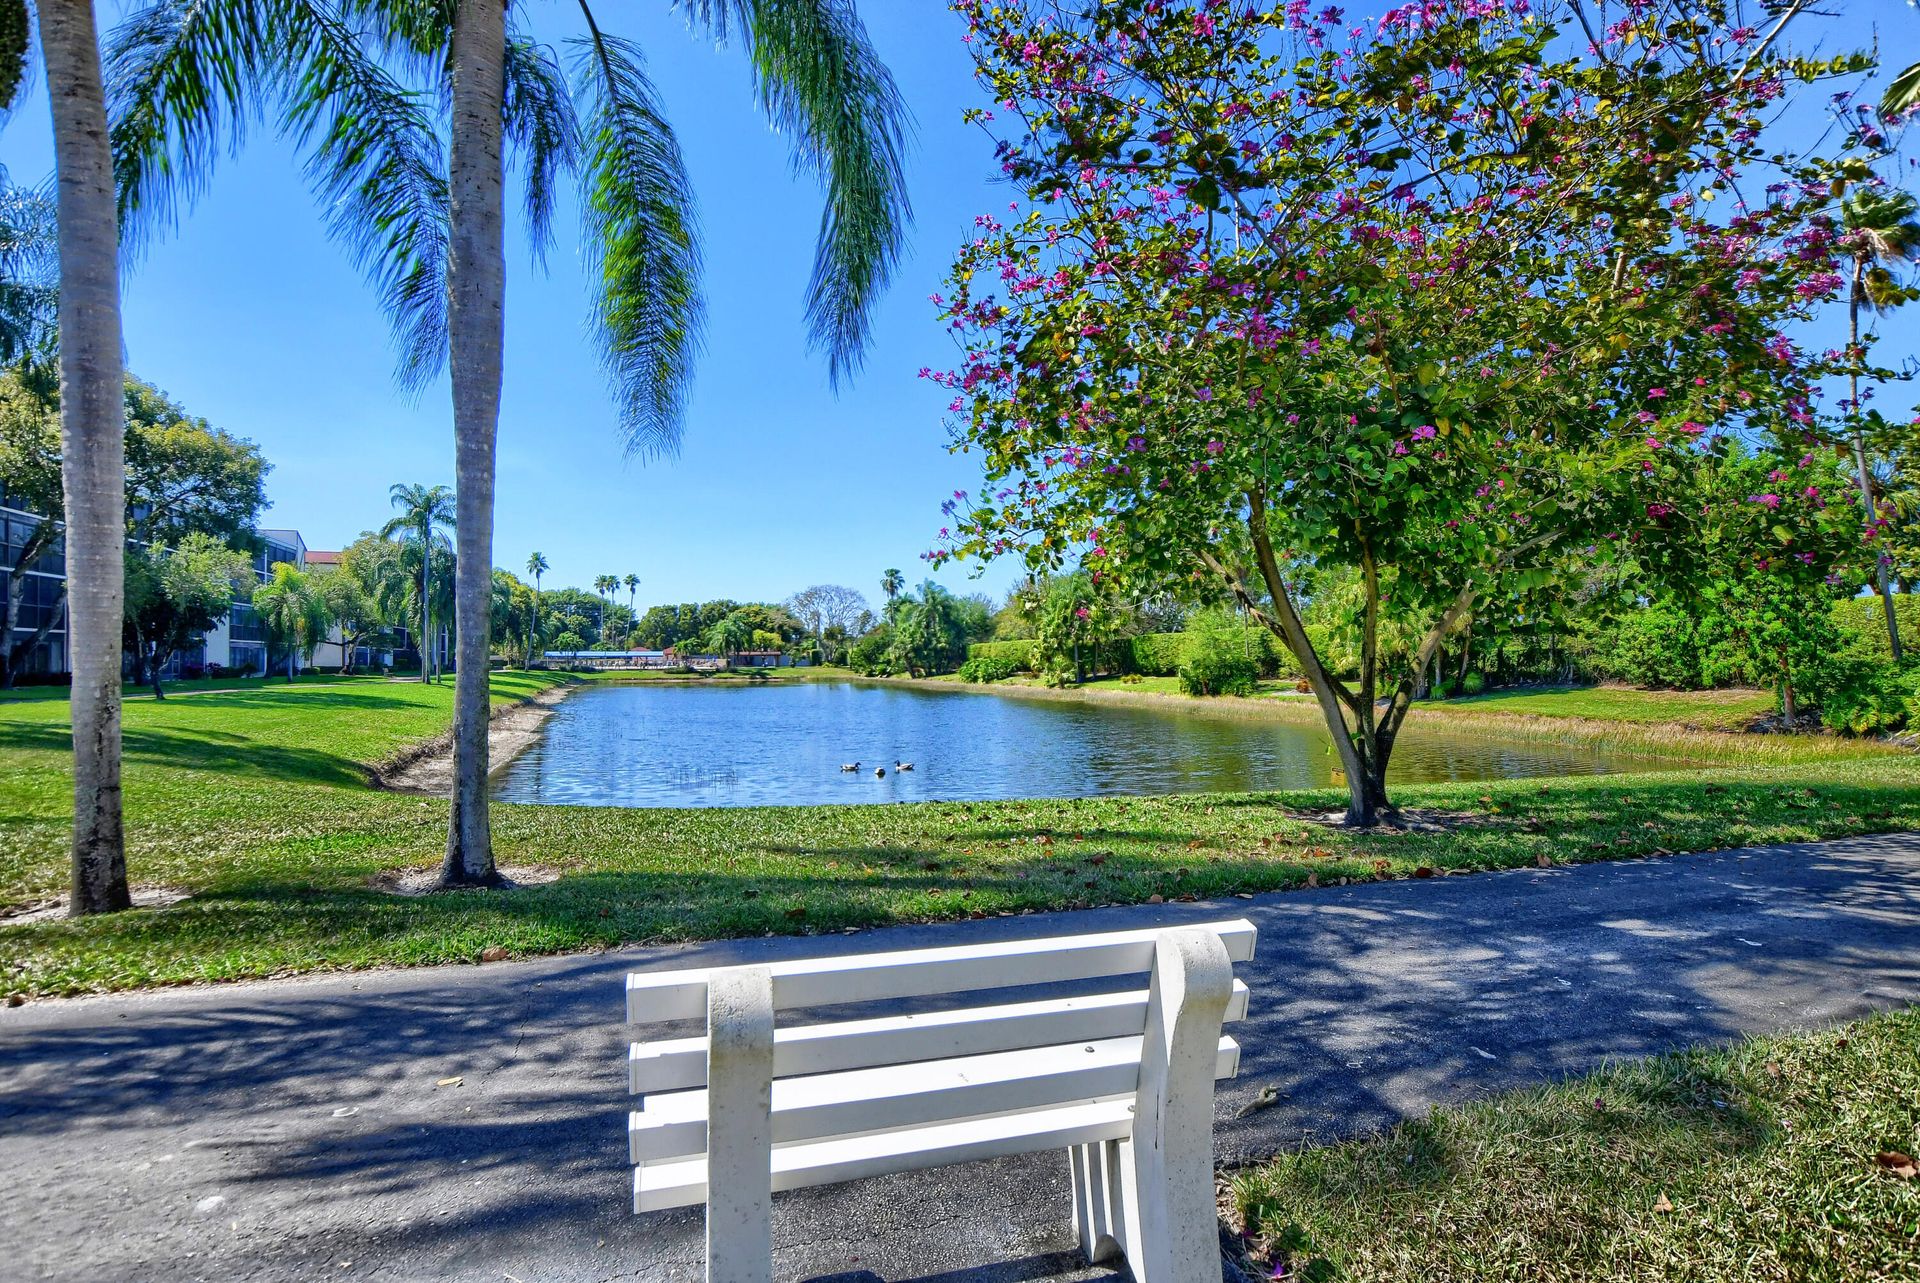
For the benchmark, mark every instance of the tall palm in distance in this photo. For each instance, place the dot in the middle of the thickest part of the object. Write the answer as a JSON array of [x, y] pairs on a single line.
[[633, 589], [424, 510], [891, 582], [1879, 231], [603, 585], [434, 241], [92, 432], [536, 566]]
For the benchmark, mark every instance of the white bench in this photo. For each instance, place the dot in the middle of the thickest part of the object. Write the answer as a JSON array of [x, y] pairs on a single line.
[[1123, 1081]]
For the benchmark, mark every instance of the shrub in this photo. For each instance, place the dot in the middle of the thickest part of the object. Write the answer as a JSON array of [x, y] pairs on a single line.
[[1860, 694], [1864, 620], [1156, 654], [988, 668], [872, 655], [1219, 658], [1018, 653], [1472, 684]]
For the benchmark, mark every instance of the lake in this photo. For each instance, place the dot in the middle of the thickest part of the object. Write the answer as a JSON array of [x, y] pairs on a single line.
[[784, 744]]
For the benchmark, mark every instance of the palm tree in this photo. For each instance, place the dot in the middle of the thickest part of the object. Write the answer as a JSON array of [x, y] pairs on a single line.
[[633, 587], [1880, 230], [293, 608], [93, 441], [891, 582], [536, 566], [423, 510], [815, 75], [602, 585]]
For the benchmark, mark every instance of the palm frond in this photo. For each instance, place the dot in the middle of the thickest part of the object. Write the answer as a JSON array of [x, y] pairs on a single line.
[[29, 271], [375, 161], [641, 242], [1903, 95], [821, 82], [184, 79], [16, 54], [543, 131]]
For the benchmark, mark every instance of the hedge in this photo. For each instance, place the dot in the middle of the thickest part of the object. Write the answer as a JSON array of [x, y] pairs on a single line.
[[1021, 653], [1866, 619], [1152, 654]]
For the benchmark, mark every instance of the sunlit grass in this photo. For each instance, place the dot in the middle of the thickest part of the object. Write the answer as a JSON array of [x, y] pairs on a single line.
[[1754, 1164], [257, 805]]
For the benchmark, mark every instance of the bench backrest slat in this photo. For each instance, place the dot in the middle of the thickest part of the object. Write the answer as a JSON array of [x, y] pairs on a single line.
[[674, 1124], [675, 1063], [855, 978]]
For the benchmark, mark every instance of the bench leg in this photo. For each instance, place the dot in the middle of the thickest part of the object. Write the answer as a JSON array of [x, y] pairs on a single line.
[[1171, 1219], [1099, 1198], [740, 1125]]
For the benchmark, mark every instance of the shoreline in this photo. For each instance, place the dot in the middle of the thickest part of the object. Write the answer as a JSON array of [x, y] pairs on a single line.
[[1678, 741], [426, 768]]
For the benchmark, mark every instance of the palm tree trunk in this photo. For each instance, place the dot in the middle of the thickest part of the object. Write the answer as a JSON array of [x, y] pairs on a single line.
[[92, 445], [476, 282], [426, 603]]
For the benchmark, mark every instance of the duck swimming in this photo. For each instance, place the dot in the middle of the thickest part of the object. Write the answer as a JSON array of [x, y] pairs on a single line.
[[851, 766], [903, 766]]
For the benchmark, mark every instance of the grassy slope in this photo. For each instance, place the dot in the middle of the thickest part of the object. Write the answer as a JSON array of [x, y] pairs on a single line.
[[1713, 710], [1751, 1163], [256, 804]]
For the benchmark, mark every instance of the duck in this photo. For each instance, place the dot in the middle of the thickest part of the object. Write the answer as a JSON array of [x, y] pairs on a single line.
[[879, 772], [851, 766], [903, 766]]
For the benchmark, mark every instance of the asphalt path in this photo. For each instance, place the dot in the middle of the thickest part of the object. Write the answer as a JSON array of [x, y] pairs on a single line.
[[303, 1130]]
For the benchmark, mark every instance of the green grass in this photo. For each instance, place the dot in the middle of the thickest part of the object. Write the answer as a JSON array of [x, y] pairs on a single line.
[[256, 804], [193, 686], [1751, 1164], [1706, 710]]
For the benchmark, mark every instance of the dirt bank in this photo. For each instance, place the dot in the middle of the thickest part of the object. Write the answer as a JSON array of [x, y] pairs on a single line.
[[427, 768]]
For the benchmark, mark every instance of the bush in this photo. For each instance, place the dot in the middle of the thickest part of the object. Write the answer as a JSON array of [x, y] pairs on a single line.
[[1472, 684], [872, 655], [988, 668], [1860, 694], [1156, 654], [1864, 621], [1218, 660], [1018, 653]]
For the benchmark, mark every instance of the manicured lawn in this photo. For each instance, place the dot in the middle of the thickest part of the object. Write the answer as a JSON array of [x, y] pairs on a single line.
[[1754, 1163], [129, 690], [257, 805], [1709, 710]]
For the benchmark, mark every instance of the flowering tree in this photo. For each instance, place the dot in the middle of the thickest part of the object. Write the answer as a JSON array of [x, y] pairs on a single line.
[[1437, 301], [1766, 542]]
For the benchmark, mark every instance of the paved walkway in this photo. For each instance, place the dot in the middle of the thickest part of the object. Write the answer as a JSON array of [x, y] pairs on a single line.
[[295, 1130]]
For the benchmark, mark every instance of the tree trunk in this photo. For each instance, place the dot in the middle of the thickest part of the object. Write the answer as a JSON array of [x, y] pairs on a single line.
[[476, 281], [1860, 454], [1788, 711], [92, 444]]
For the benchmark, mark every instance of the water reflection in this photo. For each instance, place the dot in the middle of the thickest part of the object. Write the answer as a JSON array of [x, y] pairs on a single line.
[[729, 745]]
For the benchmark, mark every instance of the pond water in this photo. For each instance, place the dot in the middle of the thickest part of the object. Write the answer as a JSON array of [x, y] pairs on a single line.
[[784, 744]]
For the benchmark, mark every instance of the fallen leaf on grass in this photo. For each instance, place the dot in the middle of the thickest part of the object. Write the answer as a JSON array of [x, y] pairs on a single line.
[[1897, 1163], [1662, 1204], [493, 953], [1544, 861], [1423, 872]]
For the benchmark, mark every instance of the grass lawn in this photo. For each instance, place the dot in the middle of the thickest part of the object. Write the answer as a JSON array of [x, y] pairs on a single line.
[[256, 804], [1757, 1162], [1709, 710], [197, 685]]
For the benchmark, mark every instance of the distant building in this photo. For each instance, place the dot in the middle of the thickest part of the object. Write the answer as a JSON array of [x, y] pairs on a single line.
[[43, 598]]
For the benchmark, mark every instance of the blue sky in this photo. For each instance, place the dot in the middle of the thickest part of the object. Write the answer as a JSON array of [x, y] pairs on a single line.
[[252, 318]]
